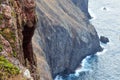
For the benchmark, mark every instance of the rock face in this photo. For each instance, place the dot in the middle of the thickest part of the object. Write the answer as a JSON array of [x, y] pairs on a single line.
[[64, 35], [104, 39], [62, 39], [17, 25], [83, 5]]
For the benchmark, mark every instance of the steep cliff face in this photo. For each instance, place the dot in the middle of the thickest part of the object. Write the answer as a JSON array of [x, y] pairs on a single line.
[[83, 5], [64, 35], [17, 25], [62, 39]]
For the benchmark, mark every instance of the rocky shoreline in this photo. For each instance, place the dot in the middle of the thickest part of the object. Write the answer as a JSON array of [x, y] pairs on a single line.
[[53, 44]]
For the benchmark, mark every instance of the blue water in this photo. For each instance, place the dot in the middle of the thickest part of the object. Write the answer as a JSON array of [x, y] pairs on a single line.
[[104, 65]]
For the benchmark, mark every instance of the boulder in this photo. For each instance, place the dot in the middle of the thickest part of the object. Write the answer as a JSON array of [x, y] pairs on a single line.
[[104, 39]]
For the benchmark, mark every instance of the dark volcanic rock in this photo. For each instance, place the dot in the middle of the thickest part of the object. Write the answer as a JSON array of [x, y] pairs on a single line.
[[104, 39], [64, 35]]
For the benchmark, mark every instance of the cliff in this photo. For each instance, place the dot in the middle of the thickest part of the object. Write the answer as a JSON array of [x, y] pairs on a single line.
[[83, 6], [63, 36], [17, 25]]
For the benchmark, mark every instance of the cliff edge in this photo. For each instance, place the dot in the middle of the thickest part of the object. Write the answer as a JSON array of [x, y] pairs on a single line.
[[64, 35]]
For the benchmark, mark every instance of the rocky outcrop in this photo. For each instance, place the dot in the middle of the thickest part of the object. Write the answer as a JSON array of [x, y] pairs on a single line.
[[17, 25], [64, 36], [104, 39]]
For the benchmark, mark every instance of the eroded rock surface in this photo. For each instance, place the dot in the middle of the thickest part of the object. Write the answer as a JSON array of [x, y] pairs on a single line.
[[62, 39], [83, 5], [64, 35], [17, 25]]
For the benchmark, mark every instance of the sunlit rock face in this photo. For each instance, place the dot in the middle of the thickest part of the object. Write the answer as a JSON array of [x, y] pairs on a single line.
[[17, 25], [64, 35]]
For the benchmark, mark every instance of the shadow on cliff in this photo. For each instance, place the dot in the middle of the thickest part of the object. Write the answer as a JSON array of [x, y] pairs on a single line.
[[63, 47]]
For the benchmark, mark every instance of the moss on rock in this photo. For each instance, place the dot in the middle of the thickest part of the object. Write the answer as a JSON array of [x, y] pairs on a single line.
[[7, 69]]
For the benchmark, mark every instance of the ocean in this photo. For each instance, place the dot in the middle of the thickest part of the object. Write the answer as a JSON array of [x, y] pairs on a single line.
[[103, 65]]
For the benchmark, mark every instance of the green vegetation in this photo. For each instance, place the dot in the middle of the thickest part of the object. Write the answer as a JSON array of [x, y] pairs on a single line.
[[7, 69], [1, 1], [9, 35], [1, 16], [1, 47], [14, 54], [13, 14]]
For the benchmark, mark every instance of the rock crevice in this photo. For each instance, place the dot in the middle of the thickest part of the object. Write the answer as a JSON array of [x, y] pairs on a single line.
[[17, 25]]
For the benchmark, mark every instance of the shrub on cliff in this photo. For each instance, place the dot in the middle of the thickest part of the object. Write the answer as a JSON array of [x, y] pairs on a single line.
[[7, 69]]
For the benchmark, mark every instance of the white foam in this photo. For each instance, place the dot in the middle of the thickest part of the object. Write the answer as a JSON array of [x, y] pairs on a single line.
[[83, 68], [101, 53], [58, 78]]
